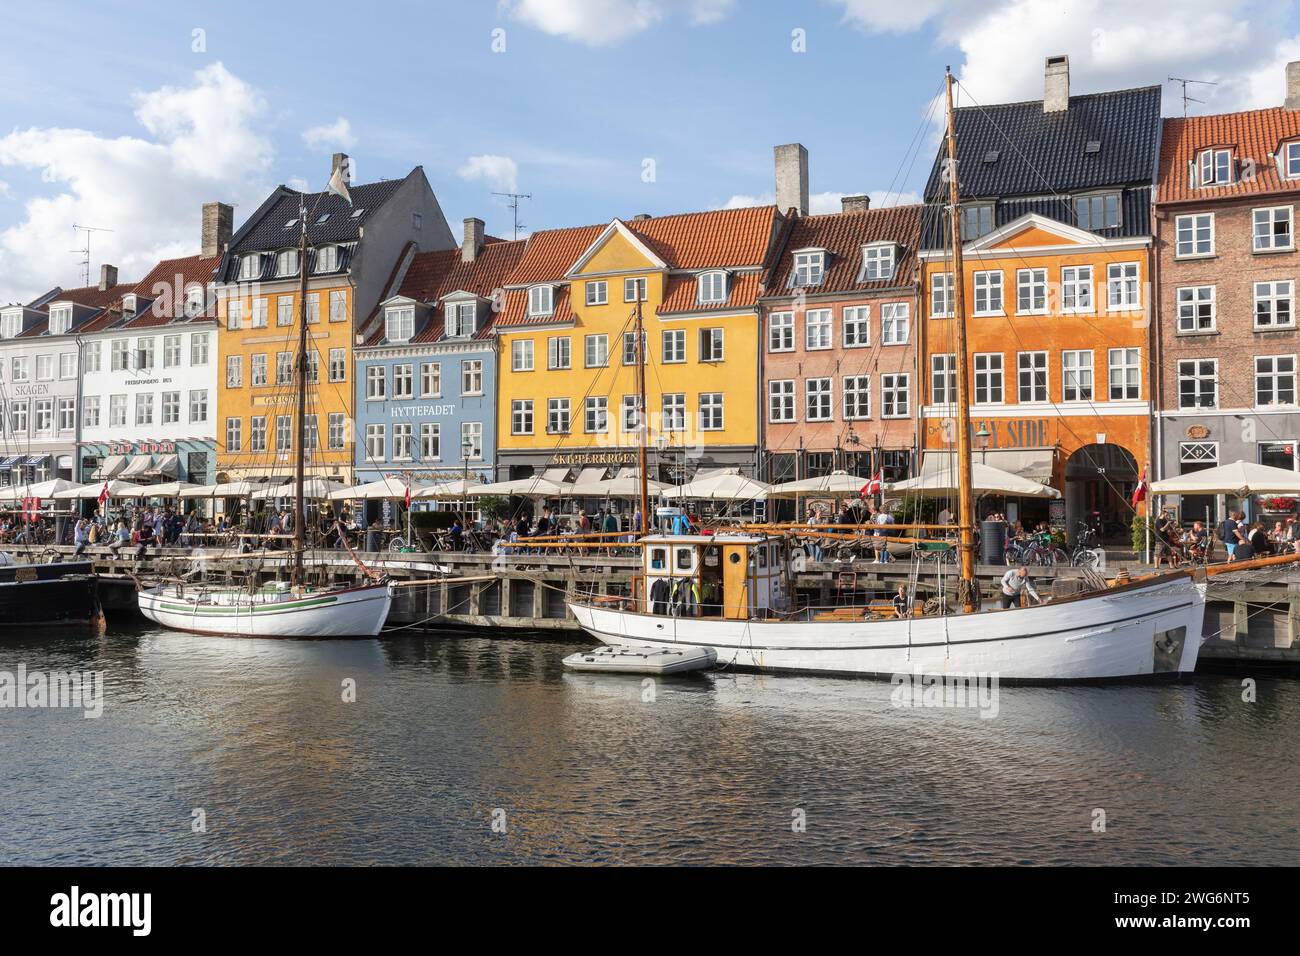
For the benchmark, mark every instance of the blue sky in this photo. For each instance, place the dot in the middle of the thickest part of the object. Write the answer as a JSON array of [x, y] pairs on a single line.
[[111, 118]]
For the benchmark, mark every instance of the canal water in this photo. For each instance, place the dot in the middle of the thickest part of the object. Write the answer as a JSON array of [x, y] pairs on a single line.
[[459, 748]]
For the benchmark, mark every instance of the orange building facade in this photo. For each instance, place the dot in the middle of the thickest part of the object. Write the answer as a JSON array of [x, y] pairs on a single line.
[[1057, 330]]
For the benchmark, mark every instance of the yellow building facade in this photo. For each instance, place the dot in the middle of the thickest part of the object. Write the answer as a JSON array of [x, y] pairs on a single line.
[[567, 394], [257, 340]]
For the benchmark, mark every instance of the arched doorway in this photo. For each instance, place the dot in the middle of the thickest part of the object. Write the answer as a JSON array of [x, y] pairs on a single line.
[[1100, 479]]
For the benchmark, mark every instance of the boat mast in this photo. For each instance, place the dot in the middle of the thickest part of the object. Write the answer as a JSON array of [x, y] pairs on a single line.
[[643, 424], [969, 591], [300, 412]]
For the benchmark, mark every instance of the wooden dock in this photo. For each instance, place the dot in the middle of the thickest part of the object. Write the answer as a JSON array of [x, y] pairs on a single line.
[[1247, 621]]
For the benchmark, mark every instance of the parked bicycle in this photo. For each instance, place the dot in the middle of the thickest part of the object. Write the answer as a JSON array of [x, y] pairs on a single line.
[[1086, 552], [1037, 549]]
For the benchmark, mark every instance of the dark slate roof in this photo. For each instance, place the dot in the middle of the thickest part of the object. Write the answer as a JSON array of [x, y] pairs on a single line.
[[268, 233], [1044, 153], [1135, 216]]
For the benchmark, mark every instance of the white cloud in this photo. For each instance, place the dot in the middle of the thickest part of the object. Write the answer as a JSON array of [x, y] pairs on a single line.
[[5, 192], [1241, 45], [338, 133], [607, 22], [202, 145], [500, 172]]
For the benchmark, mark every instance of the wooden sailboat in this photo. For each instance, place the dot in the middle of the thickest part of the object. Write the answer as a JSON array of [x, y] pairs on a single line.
[[290, 608], [731, 593]]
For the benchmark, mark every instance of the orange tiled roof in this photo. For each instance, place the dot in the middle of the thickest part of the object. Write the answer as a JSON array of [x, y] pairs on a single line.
[[433, 275], [682, 293], [842, 235], [1253, 135], [515, 311], [91, 296], [702, 240], [551, 253]]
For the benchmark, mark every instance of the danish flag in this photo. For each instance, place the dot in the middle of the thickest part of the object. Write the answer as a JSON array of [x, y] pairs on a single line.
[[874, 486], [1140, 492], [103, 493]]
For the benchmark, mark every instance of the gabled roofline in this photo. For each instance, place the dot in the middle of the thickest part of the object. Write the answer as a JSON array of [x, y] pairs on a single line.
[[616, 225]]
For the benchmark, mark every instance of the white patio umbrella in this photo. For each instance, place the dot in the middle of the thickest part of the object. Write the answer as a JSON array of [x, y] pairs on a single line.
[[721, 486], [389, 488], [625, 486], [534, 487], [838, 484], [42, 489], [92, 490], [229, 489], [985, 478], [315, 488], [455, 489], [168, 489], [1238, 478]]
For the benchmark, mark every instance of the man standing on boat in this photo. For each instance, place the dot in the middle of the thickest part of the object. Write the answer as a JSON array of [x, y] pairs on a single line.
[[1015, 581]]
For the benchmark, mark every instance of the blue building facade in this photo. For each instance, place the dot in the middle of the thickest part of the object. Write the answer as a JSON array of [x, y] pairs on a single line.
[[426, 375]]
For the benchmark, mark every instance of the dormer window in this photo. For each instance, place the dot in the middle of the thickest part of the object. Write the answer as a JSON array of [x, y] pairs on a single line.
[[541, 300], [712, 287], [877, 262], [324, 217], [1291, 160], [356, 213], [1098, 211], [286, 263], [60, 319], [976, 220], [1215, 167], [250, 267], [809, 268], [461, 319], [291, 223], [327, 258], [11, 324], [195, 301], [128, 307], [399, 323]]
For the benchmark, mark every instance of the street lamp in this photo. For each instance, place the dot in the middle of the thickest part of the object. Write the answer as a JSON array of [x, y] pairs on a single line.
[[982, 441]]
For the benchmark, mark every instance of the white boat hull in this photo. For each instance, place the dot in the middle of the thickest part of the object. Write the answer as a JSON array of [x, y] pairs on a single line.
[[1109, 636], [350, 612]]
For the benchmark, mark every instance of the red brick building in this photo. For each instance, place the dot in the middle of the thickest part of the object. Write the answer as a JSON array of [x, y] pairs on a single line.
[[1226, 276], [839, 332]]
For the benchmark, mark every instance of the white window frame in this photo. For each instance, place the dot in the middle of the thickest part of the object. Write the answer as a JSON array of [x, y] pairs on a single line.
[[673, 346], [1268, 240], [597, 292], [781, 399], [1123, 287], [1274, 375], [879, 260], [559, 352], [819, 399], [1193, 224], [857, 326], [780, 332], [1268, 293], [896, 394], [941, 295], [855, 400], [1190, 301], [819, 329], [1126, 363], [399, 323], [1192, 371], [521, 355], [992, 368], [1072, 376], [943, 378], [711, 288], [521, 416], [710, 412], [541, 300], [1034, 368], [989, 293]]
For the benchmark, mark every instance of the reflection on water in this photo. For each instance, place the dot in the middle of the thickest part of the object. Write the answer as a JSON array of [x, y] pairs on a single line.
[[446, 729]]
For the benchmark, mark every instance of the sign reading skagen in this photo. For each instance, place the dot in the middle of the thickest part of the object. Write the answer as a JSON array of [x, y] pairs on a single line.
[[27, 391], [423, 411]]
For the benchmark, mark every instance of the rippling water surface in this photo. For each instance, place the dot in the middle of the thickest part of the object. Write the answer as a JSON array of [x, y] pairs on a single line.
[[448, 728]]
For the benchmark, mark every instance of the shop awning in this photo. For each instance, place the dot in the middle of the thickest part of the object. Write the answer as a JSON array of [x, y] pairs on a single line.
[[8, 461], [138, 467], [1032, 463], [110, 467], [34, 460], [557, 475], [168, 466]]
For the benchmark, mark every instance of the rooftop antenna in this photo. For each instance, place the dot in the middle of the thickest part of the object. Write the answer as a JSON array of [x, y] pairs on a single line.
[[1190, 99], [85, 253], [514, 206]]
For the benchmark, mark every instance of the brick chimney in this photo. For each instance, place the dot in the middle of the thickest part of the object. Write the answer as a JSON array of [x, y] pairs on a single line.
[[640, 217], [855, 203], [473, 241], [1056, 84], [1293, 86], [792, 178], [218, 224], [344, 161], [107, 277]]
